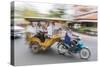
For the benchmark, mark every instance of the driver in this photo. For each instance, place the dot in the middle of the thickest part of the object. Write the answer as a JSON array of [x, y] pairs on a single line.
[[69, 38]]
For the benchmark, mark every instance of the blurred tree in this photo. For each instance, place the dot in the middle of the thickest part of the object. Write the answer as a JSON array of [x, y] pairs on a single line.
[[25, 11], [28, 12], [57, 11]]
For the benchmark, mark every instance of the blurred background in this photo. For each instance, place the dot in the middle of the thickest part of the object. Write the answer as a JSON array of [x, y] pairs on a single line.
[[79, 18]]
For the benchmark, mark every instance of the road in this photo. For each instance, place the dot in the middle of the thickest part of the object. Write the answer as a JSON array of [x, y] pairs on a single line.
[[24, 55]]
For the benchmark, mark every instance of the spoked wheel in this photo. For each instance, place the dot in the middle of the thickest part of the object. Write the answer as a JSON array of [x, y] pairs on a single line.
[[61, 49], [35, 47], [85, 53]]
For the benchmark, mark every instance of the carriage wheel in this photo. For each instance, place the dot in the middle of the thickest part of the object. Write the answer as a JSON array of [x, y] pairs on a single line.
[[35, 47]]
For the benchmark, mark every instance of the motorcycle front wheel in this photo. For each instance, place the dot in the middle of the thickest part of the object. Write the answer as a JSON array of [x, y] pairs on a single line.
[[85, 53]]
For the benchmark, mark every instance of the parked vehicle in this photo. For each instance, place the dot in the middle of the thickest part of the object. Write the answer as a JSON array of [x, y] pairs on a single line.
[[16, 31], [41, 42], [77, 46]]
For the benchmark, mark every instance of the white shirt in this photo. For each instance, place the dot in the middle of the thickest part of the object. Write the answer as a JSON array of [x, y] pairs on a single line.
[[50, 29], [39, 29], [31, 29], [69, 33]]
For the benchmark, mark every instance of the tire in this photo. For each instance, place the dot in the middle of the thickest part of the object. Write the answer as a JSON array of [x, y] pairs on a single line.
[[35, 47], [85, 53], [60, 48]]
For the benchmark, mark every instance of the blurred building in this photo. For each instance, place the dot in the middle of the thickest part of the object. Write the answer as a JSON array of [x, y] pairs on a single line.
[[85, 16]]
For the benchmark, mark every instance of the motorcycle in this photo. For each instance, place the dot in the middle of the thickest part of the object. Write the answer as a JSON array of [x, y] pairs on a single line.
[[76, 46]]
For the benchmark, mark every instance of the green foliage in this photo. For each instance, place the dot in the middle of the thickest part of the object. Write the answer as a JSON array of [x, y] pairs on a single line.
[[25, 11], [57, 11], [29, 13], [86, 29]]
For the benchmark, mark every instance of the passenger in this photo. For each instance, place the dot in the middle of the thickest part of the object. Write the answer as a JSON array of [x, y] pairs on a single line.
[[31, 28], [50, 29], [39, 27]]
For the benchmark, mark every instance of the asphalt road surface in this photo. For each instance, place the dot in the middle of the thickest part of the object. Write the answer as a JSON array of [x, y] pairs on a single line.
[[24, 55]]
